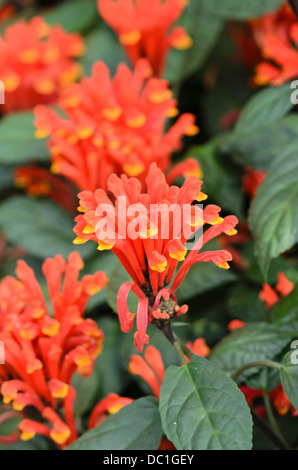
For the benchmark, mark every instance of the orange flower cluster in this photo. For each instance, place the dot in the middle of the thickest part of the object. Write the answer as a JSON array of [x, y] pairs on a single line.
[[145, 28], [46, 343], [153, 254], [114, 126], [276, 35], [36, 62]]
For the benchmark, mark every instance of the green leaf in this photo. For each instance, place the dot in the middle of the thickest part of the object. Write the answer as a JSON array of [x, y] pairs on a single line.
[[203, 409], [266, 106], [289, 377], [112, 359], [244, 303], [261, 147], [40, 227], [231, 9], [102, 44], [273, 217], [18, 144], [135, 427], [254, 342], [74, 15], [86, 392]]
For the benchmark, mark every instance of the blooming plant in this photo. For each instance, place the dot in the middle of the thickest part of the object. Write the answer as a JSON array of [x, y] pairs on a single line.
[[165, 132]]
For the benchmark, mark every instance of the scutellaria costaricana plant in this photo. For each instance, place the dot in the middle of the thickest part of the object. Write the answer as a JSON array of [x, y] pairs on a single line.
[[152, 257], [46, 344], [115, 125], [36, 61]]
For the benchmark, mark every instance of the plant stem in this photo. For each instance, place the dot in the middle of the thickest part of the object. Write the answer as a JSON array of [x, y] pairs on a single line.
[[180, 347], [272, 419], [250, 365]]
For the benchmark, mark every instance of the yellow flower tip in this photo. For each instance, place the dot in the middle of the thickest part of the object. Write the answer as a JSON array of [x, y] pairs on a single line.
[[217, 221], [52, 54], [71, 101], [202, 197], [179, 255], [38, 313], [18, 406], [55, 168], [27, 435], [52, 329], [55, 150], [61, 392], [224, 265], [136, 122], [133, 169], [25, 334], [172, 112], [232, 232], [160, 97], [114, 409], [60, 437], [7, 399], [260, 80], [197, 172], [131, 38], [85, 132], [159, 267], [184, 42], [81, 209], [42, 133], [112, 114], [31, 368], [114, 144], [89, 229], [148, 232], [29, 56], [192, 130], [104, 246], [71, 75], [45, 87], [79, 241], [92, 290], [11, 83]]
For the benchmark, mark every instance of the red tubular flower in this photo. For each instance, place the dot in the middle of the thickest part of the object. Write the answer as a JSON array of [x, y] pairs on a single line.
[[40, 182], [269, 295], [276, 35], [114, 126], [145, 28], [151, 253], [251, 180], [236, 324], [43, 348], [111, 404], [36, 62]]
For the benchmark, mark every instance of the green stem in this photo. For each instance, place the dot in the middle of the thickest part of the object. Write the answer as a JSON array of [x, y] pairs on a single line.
[[250, 365], [177, 346], [271, 418], [180, 347]]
